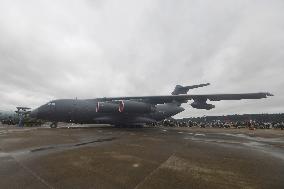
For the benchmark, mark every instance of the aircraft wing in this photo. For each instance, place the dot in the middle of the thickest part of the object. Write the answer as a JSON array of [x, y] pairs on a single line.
[[218, 97], [184, 98]]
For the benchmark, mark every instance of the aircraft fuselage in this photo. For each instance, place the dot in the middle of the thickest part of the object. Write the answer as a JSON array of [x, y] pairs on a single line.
[[85, 112]]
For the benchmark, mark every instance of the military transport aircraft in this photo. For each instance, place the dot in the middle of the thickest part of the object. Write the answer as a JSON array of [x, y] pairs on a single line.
[[130, 111]]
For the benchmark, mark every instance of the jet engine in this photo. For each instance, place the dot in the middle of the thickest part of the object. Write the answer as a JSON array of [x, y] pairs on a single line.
[[202, 105], [128, 106], [107, 107]]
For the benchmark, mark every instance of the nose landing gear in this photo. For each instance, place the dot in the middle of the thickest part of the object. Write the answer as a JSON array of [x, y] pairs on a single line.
[[53, 125]]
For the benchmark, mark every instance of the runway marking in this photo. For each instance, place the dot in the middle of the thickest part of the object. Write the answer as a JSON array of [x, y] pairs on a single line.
[[3, 132], [152, 173], [44, 182], [216, 141], [16, 130], [265, 149], [259, 139], [255, 143], [4, 154], [199, 134], [34, 174]]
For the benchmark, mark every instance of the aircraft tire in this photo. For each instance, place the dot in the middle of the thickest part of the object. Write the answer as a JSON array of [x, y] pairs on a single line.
[[53, 125]]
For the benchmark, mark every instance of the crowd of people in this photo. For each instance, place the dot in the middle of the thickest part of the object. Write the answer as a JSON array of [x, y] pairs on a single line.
[[222, 124]]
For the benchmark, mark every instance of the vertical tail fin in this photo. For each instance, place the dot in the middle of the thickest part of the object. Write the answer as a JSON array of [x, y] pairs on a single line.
[[184, 89]]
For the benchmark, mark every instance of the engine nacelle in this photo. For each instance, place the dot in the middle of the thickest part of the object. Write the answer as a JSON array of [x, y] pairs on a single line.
[[128, 106], [106, 107], [202, 105]]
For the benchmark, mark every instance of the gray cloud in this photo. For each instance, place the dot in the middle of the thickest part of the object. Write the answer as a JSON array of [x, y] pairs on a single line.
[[87, 49]]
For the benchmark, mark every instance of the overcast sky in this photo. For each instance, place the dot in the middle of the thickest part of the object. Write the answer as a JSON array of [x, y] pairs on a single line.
[[53, 49]]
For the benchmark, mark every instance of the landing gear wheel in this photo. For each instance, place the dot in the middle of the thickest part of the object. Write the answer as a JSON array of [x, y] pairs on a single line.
[[53, 125]]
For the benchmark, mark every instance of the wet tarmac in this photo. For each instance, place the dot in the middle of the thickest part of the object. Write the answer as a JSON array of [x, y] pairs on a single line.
[[107, 157]]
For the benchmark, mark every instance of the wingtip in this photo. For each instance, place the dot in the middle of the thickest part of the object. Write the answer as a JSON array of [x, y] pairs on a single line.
[[267, 94]]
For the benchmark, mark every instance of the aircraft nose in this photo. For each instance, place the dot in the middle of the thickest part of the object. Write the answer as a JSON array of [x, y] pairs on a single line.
[[34, 113]]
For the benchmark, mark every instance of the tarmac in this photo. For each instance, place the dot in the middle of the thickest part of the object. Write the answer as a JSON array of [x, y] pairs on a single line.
[[140, 158]]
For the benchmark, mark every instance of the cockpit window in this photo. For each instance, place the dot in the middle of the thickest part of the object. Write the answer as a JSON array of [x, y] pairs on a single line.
[[51, 104]]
